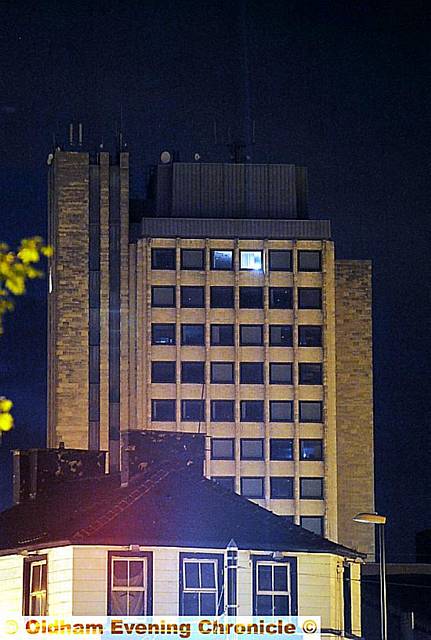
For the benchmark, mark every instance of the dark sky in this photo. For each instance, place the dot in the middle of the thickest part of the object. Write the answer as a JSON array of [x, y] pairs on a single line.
[[341, 87]]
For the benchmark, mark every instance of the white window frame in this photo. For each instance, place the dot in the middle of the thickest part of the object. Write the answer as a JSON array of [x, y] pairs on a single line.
[[39, 594], [272, 592], [127, 588], [200, 590]]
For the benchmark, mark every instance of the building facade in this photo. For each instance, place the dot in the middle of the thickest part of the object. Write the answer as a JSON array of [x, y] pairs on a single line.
[[217, 307]]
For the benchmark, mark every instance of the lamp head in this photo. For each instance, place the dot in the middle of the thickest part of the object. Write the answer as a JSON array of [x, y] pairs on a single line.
[[370, 518]]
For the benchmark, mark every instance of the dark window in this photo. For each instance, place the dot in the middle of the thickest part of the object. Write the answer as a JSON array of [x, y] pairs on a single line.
[[163, 371], [35, 586], [311, 449], [310, 411], [280, 373], [310, 336], [251, 260], [222, 335], [163, 334], [251, 297], [192, 297], [310, 373], [280, 260], [192, 410], [222, 298], [251, 335], [311, 488], [309, 298], [313, 523], [251, 373], [162, 410], [163, 258], [130, 584], [280, 298], [193, 372], [193, 334], [222, 410], [281, 410], [163, 296], [251, 449], [281, 448], [222, 448], [201, 584], [281, 487], [274, 587], [309, 261], [252, 487], [227, 482], [222, 372], [280, 335], [347, 599], [251, 410], [221, 260], [193, 259]]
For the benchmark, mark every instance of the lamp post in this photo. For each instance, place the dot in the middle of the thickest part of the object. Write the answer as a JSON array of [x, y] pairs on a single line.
[[379, 521]]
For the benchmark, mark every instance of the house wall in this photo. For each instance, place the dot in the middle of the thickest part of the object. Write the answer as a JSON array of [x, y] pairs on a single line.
[[11, 581]]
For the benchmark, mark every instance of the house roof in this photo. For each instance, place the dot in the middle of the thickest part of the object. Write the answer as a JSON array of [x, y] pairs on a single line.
[[164, 506]]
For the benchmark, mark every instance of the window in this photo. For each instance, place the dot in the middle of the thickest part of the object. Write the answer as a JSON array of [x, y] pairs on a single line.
[[129, 584], [280, 373], [222, 335], [251, 260], [252, 487], [222, 372], [201, 584], [222, 297], [251, 297], [35, 586], [274, 587], [222, 449], [310, 335], [193, 259], [251, 335], [281, 449], [310, 449], [192, 410], [280, 335], [310, 373], [163, 371], [280, 260], [251, 373], [310, 411], [311, 488], [309, 298], [309, 261], [221, 260], [281, 487], [162, 410], [281, 410], [163, 296], [193, 335], [163, 258], [163, 334], [227, 482], [222, 410], [251, 410], [193, 372], [192, 297], [280, 298], [313, 523], [347, 599], [251, 449]]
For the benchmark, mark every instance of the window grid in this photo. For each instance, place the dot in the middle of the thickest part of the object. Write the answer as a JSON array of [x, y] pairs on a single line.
[[123, 589], [272, 596], [197, 592]]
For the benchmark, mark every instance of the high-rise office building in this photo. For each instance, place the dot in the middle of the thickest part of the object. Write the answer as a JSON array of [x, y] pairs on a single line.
[[214, 306]]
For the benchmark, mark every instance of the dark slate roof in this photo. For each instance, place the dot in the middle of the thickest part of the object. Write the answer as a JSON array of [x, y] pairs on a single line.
[[165, 506]]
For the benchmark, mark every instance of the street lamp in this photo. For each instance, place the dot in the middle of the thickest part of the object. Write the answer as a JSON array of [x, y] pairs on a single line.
[[379, 521]]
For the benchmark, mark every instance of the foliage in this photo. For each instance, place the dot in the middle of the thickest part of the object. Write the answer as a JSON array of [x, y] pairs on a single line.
[[15, 269]]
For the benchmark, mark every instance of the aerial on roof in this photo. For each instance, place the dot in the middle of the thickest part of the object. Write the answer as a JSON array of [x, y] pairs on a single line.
[[167, 505]]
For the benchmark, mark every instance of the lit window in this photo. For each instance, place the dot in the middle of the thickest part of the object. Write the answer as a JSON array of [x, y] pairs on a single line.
[[252, 487], [311, 488], [35, 586], [222, 448], [129, 588], [201, 584], [251, 260], [251, 449], [221, 260]]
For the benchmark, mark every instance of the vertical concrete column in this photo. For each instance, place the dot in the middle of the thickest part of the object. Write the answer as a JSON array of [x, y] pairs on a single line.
[[237, 409], [132, 337], [124, 291], [142, 322], [148, 320], [295, 375], [266, 449], [207, 266], [104, 299], [178, 331]]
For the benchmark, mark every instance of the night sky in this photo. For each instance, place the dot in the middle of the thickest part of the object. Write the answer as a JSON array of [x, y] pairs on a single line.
[[341, 87]]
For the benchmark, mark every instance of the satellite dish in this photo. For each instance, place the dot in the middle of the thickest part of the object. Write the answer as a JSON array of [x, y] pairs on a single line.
[[165, 157], [197, 156]]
